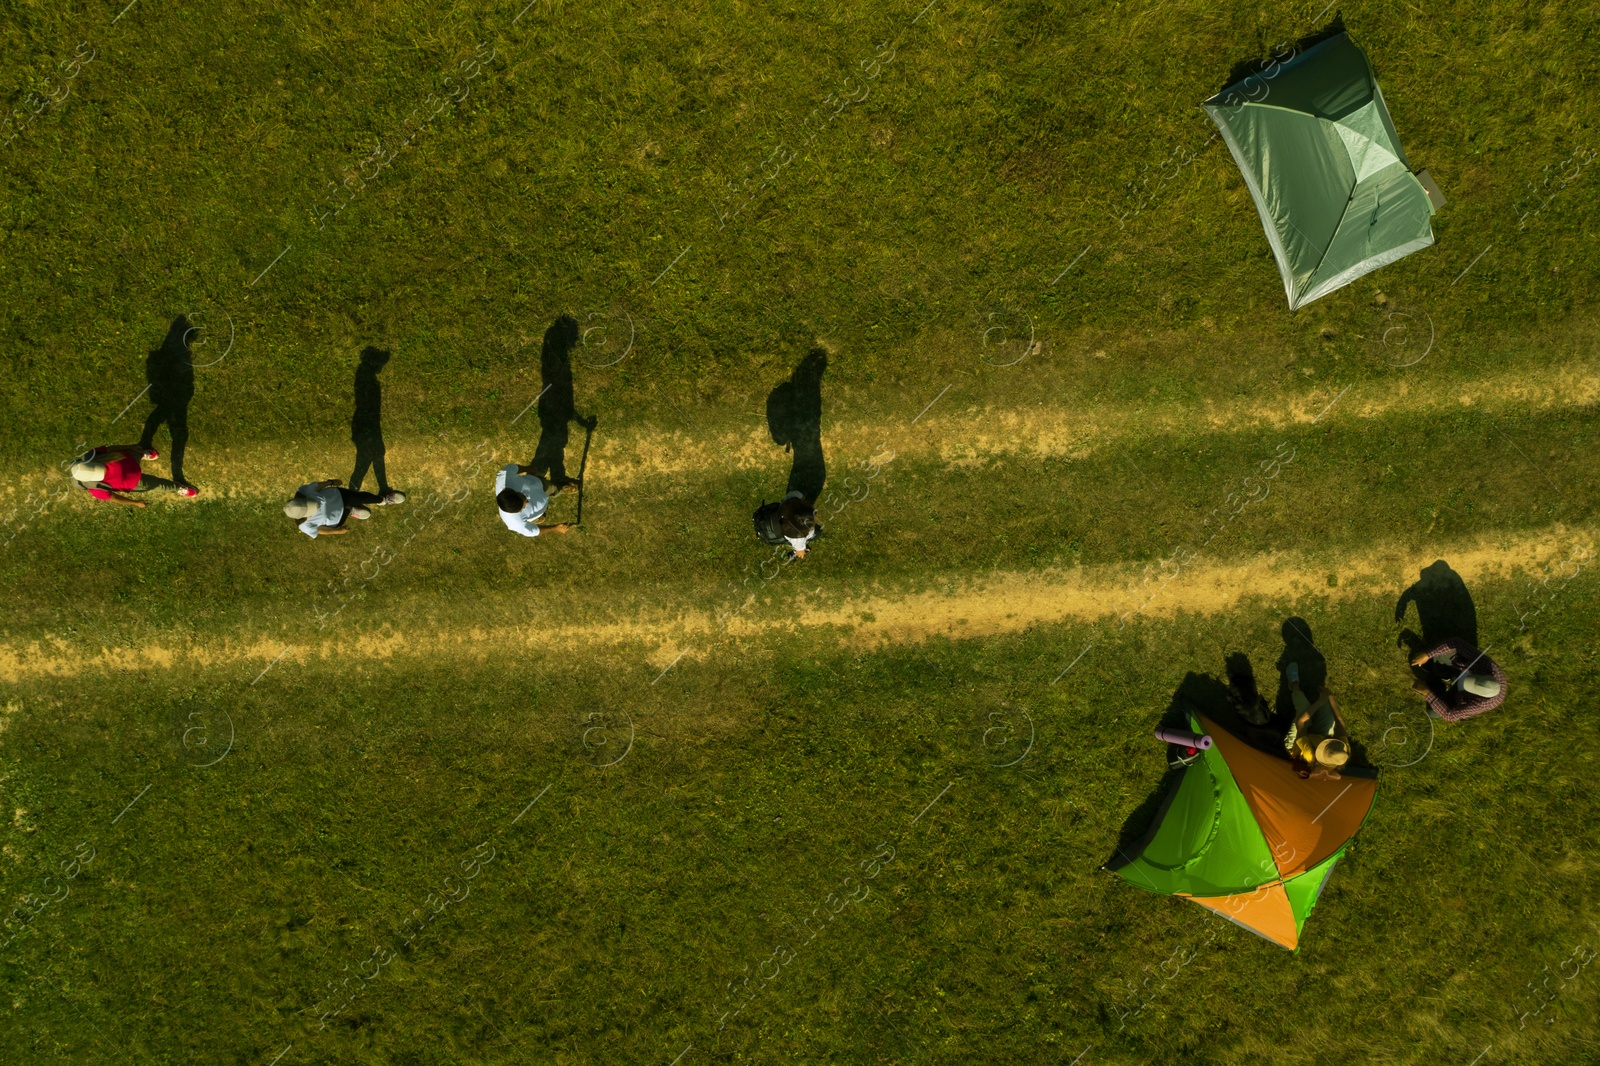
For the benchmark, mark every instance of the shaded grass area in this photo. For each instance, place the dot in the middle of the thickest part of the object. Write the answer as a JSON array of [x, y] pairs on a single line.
[[618, 909]]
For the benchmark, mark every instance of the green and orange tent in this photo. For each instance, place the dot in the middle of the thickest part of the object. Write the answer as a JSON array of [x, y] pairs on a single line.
[[1243, 835]]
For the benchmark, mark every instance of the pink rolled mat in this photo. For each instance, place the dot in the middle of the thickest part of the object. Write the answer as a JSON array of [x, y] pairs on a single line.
[[1184, 738]]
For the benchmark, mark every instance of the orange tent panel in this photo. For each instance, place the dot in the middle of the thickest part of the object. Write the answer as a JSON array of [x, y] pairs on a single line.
[[1264, 911], [1304, 820]]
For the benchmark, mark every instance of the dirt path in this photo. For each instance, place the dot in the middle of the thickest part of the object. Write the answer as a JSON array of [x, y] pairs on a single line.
[[952, 433], [1002, 603]]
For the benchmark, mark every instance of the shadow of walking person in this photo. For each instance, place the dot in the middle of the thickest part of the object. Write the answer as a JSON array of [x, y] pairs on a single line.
[[366, 423], [1301, 650], [794, 418], [557, 405], [1444, 608], [169, 371]]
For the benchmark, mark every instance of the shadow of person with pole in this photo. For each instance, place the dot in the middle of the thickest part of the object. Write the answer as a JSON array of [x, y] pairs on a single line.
[[366, 425], [558, 409], [169, 372]]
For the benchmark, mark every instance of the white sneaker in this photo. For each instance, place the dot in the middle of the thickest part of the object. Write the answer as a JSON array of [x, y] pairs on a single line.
[[393, 496], [360, 512]]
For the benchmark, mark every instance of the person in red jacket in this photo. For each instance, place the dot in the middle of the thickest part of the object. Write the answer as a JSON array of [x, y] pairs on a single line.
[[108, 472]]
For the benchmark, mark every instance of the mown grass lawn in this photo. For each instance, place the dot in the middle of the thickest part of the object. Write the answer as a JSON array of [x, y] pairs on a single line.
[[596, 842]]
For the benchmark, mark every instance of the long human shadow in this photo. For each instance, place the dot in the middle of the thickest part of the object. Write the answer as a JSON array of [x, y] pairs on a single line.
[[794, 418], [1444, 609], [366, 423], [1301, 648], [557, 404], [169, 371]]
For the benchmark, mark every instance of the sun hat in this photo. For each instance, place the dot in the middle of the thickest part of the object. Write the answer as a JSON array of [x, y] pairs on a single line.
[[299, 508], [1332, 753], [1481, 685], [88, 472]]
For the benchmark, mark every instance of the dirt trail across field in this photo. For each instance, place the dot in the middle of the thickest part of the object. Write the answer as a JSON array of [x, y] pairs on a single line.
[[950, 432], [999, 603]]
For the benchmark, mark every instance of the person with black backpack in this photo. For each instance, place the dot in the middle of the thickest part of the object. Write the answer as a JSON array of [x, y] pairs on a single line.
[[791, 521]]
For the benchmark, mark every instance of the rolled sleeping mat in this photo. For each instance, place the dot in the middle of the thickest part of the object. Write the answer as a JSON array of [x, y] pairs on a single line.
[[1184, 738]]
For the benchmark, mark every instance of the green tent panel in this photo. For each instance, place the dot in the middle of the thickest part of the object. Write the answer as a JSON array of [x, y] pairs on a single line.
[[1320, 155], [1305, 889], [1206, 841]]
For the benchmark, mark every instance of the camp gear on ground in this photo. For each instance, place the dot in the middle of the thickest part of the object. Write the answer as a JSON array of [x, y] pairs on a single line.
[[1319, 153], [1243, 835], [1184, 739], [1178, 758]]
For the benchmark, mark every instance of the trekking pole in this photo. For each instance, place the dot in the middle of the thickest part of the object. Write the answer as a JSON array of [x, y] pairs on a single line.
[[588, 434]]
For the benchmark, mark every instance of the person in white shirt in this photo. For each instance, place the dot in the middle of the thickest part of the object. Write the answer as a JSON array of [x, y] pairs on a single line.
[[522, 497], [322, 507]]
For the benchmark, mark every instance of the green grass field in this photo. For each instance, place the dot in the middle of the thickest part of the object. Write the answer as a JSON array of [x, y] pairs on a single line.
[[433, 793]]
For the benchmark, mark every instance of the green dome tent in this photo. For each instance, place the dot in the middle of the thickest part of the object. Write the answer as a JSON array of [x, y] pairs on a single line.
[[1318, 150], [1244, 836]]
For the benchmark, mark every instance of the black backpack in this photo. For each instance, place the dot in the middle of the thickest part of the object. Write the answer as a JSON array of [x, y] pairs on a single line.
[[766, 523]]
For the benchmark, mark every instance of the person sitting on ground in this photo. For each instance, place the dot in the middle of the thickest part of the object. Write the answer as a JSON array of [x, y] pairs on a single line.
[[322, 507], [522, 497], [1458, 680], [109, 471], [1317, 738], [797, 521]]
